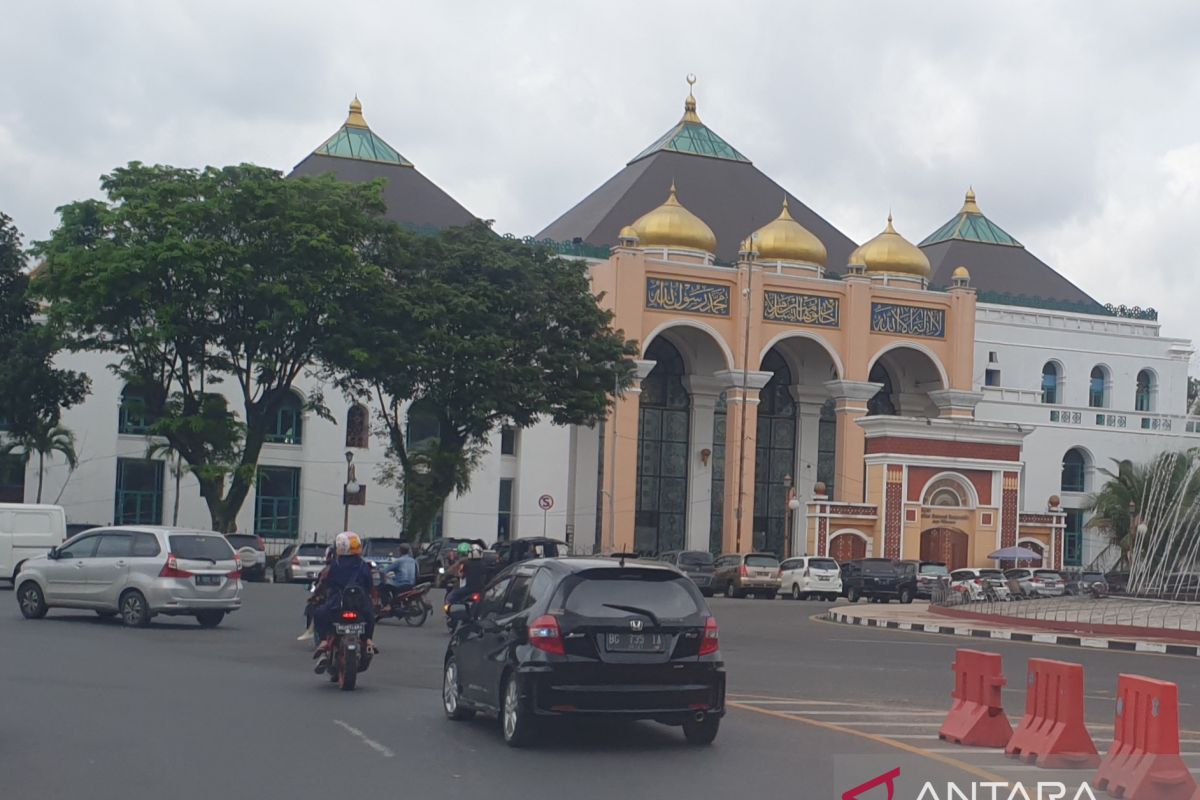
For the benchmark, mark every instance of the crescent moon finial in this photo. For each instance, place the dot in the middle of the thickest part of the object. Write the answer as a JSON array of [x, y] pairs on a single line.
[[691, 78]]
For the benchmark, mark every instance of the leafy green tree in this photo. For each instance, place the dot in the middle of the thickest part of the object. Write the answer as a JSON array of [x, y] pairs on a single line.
[[42, 441], [33, 393], [483, 331], [1193, 394], [212, 289]]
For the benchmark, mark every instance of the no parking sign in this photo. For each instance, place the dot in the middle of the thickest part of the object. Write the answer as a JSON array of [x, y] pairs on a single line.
[[545, 503]]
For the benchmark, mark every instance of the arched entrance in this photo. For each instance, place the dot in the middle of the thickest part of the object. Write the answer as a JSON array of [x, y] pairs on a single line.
[[660, 522], [948, 545], [847, 547], [907, 375], [775, 456]]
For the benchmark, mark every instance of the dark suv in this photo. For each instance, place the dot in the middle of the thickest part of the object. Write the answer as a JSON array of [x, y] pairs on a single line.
[[881, 580], [696, 564], [586, 637], [928, 575], [513, 550]]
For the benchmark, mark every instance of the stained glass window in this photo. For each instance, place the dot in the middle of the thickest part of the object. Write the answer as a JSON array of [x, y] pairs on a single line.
[[665, 412], [774, 457], [357, 426]]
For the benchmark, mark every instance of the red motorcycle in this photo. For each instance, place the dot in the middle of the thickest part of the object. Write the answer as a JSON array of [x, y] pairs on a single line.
[[409, 605]]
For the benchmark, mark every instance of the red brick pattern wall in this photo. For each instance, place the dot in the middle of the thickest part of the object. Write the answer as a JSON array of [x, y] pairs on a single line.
[[822, 533], [1008, 510], [937, 447], [918, 479], [893, 503]]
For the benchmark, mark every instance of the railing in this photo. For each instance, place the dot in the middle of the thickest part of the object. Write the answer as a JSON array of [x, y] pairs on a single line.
[[1042, 413]]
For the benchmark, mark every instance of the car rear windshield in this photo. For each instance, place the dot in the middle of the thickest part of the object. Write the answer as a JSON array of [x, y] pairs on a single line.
[[934, 569], [991, 573], [200, 547], [381, 547], [696, 558], [613, 593], [313, 550], [1092, 577], [1048, 573], [878, 566], [241, 540], [822, 563], [762, 561]]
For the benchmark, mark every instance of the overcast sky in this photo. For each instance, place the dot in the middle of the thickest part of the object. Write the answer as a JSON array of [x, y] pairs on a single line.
[[1077, 123]]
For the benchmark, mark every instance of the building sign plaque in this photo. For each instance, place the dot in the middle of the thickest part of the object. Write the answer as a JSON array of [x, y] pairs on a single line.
[[665, 294], [939, 516], [908, 320], [801, 309]]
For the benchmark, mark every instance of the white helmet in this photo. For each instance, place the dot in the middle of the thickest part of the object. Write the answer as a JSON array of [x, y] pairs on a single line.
[[476, 551], [348, 543]]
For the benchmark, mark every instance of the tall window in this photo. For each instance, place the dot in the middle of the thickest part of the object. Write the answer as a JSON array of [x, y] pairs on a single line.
[[286, 427], [1145, 387], [716, 525], [508, 441], [1050, 381], [277, 503], [1074, 471], [827, 447], [660, 520], [504, 520], [139, 492], [774, 457], [358, 433], [133, 416], [12, 479], [1073, 539], [1096, 387]]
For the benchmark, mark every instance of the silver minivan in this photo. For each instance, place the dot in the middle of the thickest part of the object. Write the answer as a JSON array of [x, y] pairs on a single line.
[[137, 571]]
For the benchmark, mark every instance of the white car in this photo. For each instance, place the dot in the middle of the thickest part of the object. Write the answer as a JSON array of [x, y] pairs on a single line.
[[300, 562], [253, 554], [28, 531], [810, 576], [1039, 582], [976, 583]]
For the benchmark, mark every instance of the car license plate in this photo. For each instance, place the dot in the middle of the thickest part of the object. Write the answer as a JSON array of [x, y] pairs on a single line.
[[635, 642], [208, 580], [350, 629], [823, 577]]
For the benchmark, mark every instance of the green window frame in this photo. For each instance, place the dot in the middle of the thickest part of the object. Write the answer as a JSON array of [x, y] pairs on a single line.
[[277, 503], [132, 418], [1073, 539], [139, 496], [288, 424]]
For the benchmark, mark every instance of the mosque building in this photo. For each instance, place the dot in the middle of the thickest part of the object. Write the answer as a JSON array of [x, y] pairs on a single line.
[[796, 392]]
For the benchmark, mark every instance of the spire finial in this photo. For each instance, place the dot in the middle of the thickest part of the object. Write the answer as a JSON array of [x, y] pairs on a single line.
[[969, 205], [689, 105], [889, 225], [355, 118]]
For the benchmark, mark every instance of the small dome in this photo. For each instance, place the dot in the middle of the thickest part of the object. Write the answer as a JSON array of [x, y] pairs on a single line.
[[672, 225], [784, 239], [891, 253], [961, 274], [628, 234], [355, 117]]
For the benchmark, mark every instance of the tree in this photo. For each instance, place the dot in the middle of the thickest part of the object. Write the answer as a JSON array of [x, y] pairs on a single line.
[[1193, 394], [33, 393], [42, 441], [198, 280], [482, 331]]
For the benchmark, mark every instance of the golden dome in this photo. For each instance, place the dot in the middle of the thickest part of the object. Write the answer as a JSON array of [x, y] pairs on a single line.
[[356, 118], [961, 273], [889, 252], [969, 205], [672, 225], [784, 239], [628, 232]]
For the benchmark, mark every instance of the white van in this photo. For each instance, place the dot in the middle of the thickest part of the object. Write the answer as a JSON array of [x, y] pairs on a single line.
[[27, 531]]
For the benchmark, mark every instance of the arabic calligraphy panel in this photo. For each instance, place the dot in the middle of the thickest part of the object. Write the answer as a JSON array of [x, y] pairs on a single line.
[[908, 320], [801, 309], [688, 297]]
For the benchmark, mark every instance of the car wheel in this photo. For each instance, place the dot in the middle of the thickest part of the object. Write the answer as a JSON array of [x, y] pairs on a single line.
[[906, 596], [451, 695], [729, 590], [702, 732], [33, 604], [209, 619], [515, 719], [832, 597], [134, 611], [796, 593], [853, 594]]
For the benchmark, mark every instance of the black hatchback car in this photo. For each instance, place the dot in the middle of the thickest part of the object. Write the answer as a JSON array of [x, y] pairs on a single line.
[[586, 637]]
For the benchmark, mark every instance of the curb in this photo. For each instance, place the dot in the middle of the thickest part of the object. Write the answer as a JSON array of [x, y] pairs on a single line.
[[1124, 645]]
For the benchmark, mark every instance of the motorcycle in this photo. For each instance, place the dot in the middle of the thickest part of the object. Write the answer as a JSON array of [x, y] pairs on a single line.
[[348, 653], [468, 601], [409, 605]]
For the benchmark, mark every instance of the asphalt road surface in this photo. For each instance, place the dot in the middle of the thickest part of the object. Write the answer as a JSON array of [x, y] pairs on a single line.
[[89, 708]]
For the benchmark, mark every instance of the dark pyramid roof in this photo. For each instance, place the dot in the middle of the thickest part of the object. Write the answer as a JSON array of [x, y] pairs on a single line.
[[1002, 270], [715, 182], [356, 153]]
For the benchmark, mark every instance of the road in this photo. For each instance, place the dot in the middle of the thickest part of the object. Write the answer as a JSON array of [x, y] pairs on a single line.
[[175, 710]]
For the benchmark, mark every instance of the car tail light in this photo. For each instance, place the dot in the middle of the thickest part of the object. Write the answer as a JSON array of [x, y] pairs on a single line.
[[295, 561], [171, 569], [350, 615], [235, 575], [743, 571], [978, 581], [475, 598], [545, 635], [712, 639], [260, 544]]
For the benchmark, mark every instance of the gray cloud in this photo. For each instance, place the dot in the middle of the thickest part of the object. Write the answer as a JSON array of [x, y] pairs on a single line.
[[1076, 122]]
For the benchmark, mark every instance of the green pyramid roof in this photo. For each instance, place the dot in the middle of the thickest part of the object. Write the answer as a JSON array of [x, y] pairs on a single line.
[[693, 137], [355, 140], [970, 225]]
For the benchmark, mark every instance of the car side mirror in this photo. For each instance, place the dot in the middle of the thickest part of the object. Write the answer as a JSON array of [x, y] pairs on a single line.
[[459, 612], [52, 554]]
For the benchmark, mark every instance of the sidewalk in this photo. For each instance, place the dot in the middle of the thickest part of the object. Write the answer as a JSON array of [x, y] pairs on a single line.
[[918, 617]]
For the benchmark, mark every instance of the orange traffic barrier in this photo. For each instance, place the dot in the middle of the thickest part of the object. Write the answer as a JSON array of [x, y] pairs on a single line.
[[1143, 762], [977, 717], [1052, 733]]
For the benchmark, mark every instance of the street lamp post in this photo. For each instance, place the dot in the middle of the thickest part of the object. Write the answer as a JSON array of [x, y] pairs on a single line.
[[351, 488], [787, 520]]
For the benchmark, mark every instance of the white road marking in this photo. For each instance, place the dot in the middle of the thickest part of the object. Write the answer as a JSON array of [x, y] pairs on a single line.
[[368, 741]]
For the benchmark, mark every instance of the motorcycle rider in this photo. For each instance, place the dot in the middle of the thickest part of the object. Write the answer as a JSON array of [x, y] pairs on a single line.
[[471, 571], [314, 599], [400, 575], [349, 569]]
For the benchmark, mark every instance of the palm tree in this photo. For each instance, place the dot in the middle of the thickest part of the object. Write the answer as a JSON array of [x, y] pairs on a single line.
[[45, 439], [1114, 506]]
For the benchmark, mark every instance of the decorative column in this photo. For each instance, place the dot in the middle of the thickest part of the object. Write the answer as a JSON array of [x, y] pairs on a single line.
[[741, 439], [1008, 510], [850, 403], [893, 511], [620, 464], [705, 390], [809, 402], [956, 403]]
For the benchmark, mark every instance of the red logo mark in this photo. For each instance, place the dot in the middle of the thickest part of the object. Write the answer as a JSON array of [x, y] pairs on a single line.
[[888, 778]]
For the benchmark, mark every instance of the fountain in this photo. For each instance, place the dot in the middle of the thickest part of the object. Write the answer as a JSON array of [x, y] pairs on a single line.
[[1164, 556]]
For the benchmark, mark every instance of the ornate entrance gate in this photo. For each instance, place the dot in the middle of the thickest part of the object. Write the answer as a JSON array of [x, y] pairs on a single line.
[[948, 545], [847, 547]]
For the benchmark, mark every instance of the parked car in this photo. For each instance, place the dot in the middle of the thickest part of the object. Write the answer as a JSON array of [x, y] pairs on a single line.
[[138, 572], [586, 638], [1038, 582], [300, 562], [928, 575], [980, 584], [847, 569], [511, 551], [881, 580], [28, 531], [755, 574], [1082, 583], [696, 564], [810, 576], [380, 550], [252, 551]]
